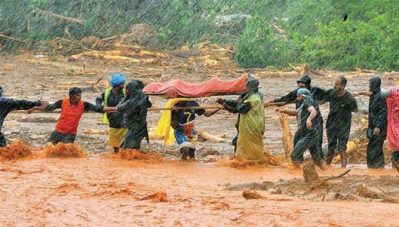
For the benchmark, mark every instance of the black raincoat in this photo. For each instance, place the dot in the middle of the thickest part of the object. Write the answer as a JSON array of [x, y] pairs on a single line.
[[377, 119], [134, 108], [318, 96], [7, 105]]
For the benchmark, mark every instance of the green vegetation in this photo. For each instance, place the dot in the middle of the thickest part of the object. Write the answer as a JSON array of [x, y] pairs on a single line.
[[265, 33]]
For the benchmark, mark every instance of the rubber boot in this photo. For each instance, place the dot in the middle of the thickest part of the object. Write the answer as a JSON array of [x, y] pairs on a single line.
[[329, 157], [184, 153], [191, 153], [344, 158], [395, 160]]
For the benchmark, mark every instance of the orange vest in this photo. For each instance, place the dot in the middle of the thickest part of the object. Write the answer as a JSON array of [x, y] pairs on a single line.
[[70, 117]]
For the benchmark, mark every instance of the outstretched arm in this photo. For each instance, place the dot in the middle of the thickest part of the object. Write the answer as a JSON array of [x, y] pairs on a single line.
[[15, 104], [365, 93], [93, 108], [283, 100], [212, 112], [234, 106], [45, 106], [289, 112]]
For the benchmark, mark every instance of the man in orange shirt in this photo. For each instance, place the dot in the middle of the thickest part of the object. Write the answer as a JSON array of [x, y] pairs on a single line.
[[72, 109]]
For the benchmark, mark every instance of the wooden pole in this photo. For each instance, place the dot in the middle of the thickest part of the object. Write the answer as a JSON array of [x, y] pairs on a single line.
[[153, 109], [70, 19], [287, 135]]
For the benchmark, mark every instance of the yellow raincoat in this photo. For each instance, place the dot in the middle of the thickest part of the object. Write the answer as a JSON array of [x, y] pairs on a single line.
[[251, 127]]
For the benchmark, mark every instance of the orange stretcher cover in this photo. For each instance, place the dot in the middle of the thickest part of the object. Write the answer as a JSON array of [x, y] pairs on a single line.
[[179, 88]]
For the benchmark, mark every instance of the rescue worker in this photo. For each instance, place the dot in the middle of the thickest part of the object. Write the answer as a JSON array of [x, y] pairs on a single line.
[[72, 109], [377, 126], [248, 144], [111, 97], [134, 108], [183, 123], [317, 94], [339, 119], [306, 137], [7, 105]]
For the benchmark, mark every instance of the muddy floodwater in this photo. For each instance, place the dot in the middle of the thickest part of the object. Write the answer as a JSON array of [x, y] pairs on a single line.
[[102, 189]]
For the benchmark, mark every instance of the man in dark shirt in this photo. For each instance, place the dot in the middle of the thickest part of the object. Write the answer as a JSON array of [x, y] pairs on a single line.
[[304, 137], [377, 127], [183, 115], [317, 94], [339, 120], [72, 109], [134, 108], [7, 105], [111, 97]]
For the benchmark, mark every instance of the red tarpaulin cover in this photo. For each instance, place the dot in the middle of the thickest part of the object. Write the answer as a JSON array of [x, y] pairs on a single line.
[[179, 88], [393, 118]]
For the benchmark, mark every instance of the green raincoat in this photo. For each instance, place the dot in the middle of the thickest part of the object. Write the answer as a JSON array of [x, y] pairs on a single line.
[[251, 126]]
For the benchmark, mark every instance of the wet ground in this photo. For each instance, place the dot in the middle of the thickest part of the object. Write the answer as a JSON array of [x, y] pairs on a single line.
[[101, 189]]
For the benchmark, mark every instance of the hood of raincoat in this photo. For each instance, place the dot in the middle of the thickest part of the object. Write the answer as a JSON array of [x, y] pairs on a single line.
[[252, 84], [135, 87], [375, 84], [305, 79]]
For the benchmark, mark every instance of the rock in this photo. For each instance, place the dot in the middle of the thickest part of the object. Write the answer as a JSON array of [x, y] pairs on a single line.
[[275, 191], [250, 194], [265, 185], [205, 151], [366, 192]]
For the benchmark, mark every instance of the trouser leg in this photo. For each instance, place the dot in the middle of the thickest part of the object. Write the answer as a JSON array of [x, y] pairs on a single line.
[[375, 153], [342, 143], [302, 143], [132, 140], [3, 141], [332, 144], [319, 129]]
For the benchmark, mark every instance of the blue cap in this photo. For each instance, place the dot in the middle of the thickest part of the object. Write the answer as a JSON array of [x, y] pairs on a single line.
[[116, 79]]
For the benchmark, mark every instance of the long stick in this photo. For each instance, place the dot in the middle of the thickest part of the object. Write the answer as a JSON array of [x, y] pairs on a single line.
[[153, 109], [11, 38], [335, 177], [187, 108], [275, 104], [70, 19]]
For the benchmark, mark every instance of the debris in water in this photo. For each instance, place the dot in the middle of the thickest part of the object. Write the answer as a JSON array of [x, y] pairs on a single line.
[[133, 154], [365, 192], [309, 172], [157, 197], [63, 150], [15, 150]]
